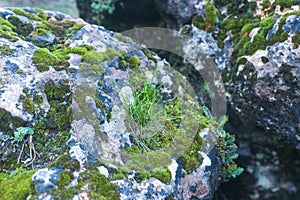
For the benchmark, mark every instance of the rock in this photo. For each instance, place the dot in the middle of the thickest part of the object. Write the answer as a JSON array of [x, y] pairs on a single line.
[[77, 96], [46, 179], [177, 13], [268, 82], [120, 15]]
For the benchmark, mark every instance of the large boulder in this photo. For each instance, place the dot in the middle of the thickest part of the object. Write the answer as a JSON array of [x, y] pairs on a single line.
[[256, 48], [74, 122]]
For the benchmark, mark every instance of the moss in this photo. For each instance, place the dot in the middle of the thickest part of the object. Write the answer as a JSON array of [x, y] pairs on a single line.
[[18, 186], [29, 15], [211, 17], [6, 50], [28, 104], [247, 28], [64, 180], [190, 159], [267, 24], [98, 185], [54, 92], [221, 37], [6, 23], [284, 4], [264, 59], [149, 55], [76, 27], [146, 161], [41, 14], [296, 40], [118, 175], [241, 61], [281, 35], [122, 63], [91, 69], [43, 59], [67, 163], [198, 22], [94, 57], [3, 176], [142, 176], [134, 61], [162, 174], [21, 28], [6, 30], [11, 36], [53, 131], [8, 123]]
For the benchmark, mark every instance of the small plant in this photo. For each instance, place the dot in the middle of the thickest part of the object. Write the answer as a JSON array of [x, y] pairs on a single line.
[[100, 7], [22, 132], [153, 120], [228, 153], [144, 103]]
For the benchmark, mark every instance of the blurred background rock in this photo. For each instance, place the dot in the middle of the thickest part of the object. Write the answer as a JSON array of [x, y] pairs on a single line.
[[65, 6]]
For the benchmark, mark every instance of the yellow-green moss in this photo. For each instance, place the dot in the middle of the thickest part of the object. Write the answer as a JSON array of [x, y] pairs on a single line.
[[29, 15], [23, 29], [190, 159], [3, 176], [118, 175], [211, 17], [122, 63], [162, 174], [149, 55], [142, 176], [91, 69], [198, 22], [134, 61], [77, 27], [18, 186], [284, 4], [296, 39], [6, 50], [4, 22], [11, 36], [94, 57], [98, 185], [28, 104], [41, 14], [43, 59]]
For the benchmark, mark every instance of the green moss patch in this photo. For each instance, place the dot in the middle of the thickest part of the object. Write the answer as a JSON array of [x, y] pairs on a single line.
[[43, 59], [6, 50], [162, 174], [18, 186], [98, 185], [134, 61], [211, 17]]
